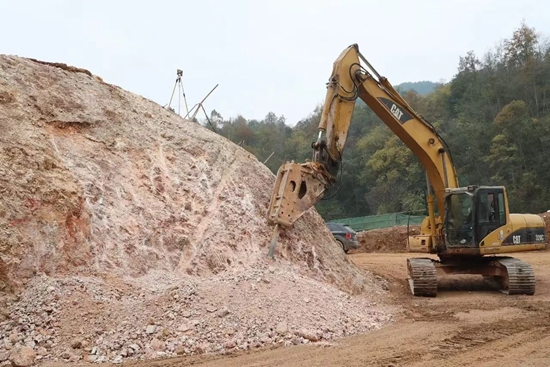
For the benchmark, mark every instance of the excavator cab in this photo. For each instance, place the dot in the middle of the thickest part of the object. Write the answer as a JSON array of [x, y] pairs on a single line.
[[459, 225], [472, 213]]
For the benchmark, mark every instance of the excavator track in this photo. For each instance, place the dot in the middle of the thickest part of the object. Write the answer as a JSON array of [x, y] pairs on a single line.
[[520, 279], [422, 277]]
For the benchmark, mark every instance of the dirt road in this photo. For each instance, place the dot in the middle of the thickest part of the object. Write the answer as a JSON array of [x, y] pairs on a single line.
[[467, 324]]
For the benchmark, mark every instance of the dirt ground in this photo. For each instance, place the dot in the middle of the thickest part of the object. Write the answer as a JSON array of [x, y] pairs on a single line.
[[468, 323], [392, 239]]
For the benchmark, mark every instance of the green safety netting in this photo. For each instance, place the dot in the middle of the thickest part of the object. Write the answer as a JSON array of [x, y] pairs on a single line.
[[380, 221]]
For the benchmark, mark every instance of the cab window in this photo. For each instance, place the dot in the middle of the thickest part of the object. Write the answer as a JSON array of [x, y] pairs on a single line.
[[487, 204]]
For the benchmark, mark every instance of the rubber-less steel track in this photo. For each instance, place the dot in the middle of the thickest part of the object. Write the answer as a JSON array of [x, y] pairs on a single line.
[[422, 277], [521, 277]]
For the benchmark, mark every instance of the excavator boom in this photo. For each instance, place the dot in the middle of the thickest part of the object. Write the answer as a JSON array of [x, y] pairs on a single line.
[[300, 186]]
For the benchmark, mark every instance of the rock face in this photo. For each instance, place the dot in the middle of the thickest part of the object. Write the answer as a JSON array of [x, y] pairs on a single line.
[[110, 204]]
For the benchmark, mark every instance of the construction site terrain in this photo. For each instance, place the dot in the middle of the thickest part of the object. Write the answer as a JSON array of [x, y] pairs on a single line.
[[129, 235], [467, 324]]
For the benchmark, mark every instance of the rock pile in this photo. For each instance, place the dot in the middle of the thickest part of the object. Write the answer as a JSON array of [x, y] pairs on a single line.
[[127, 232], [81, 318]]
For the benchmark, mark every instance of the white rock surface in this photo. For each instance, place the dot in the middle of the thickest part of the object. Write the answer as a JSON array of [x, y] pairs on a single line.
[[129, 233]]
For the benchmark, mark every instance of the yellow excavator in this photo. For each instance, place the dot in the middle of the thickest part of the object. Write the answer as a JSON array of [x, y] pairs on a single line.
[[471, 222]]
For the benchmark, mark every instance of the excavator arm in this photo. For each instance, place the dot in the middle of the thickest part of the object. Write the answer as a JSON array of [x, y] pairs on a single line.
[[298, 187]]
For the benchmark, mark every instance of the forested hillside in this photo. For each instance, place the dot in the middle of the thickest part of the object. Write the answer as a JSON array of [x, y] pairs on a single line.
[[494, 114]]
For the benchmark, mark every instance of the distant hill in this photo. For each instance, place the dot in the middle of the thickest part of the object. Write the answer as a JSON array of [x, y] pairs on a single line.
[[423, 87]]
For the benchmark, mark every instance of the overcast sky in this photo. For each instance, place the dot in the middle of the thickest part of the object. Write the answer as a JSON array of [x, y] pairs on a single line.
[[266, 55]]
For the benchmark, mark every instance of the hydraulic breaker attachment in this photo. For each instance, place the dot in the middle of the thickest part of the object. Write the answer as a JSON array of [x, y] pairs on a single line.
[[297, 188]]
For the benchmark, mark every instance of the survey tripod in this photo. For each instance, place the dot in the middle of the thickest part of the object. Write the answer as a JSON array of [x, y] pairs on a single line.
[[181, 92]]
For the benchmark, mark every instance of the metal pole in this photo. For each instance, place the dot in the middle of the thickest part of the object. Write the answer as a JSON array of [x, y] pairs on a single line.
[[179, 98], [269, 157], [172, 96], [207, 119], [192, 108], [184, 99], [201, 102]]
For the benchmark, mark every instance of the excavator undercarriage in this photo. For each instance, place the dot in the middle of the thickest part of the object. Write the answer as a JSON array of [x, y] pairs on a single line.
[[509, 275]]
